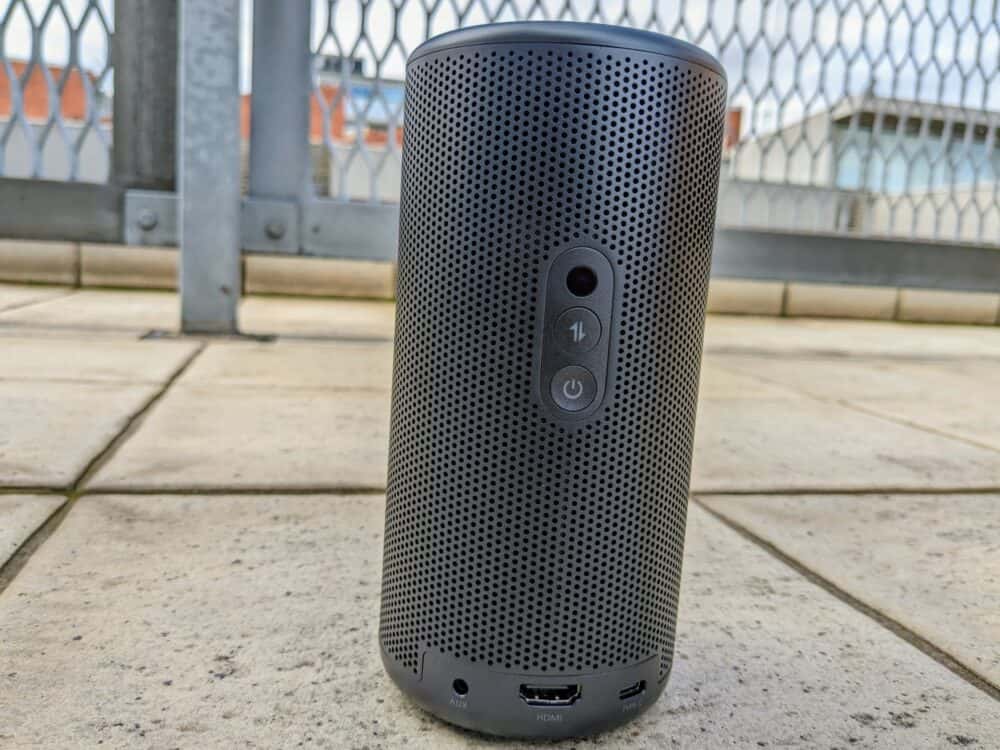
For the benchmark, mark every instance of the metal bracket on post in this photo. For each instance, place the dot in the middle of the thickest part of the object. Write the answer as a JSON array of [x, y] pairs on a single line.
[[209, 156], [270, 226], [150, 217]]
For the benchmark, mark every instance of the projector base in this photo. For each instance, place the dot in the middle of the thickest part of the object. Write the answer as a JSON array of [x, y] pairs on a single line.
[[532, 706]]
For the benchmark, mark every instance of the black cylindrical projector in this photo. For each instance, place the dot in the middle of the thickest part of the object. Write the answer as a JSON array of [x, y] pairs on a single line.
[[556, 221]]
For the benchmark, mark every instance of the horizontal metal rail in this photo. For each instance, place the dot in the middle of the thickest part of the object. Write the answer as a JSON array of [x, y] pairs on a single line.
[[48, 210], [865, 261]]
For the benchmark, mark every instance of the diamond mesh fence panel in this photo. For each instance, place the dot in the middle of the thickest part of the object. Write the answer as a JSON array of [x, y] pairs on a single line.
[[856, 116], [55, 89]]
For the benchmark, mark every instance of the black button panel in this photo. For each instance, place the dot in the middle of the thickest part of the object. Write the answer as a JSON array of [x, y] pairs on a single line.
[[576, 326]]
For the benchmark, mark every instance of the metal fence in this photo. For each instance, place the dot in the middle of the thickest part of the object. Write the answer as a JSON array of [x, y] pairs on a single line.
[[55, 89], [856, 128], [886, 110]]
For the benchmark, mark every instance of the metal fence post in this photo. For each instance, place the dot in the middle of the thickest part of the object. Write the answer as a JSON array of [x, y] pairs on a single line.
[[280, 174], [144, 52], [209, 165]]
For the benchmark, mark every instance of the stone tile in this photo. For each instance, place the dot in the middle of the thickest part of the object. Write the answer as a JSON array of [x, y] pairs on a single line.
[[102, 309], [305, 317], [185, 621], [50, 431], [958, 396], [841, 301], [721, 382], [973, 415], [92, 359], [128, 266], [930, 562], [746, 297], [843, 378], [20, 517], [800, 444], [141, 311], [323, 277], [222, 437], [363, 365], [728, 334], [15, 295], [38, 262]]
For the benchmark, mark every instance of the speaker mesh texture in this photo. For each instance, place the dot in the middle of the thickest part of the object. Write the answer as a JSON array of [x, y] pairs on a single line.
[[511, 538]]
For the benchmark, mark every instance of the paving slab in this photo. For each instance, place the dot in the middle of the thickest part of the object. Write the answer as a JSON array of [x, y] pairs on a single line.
[[50, 431], [337, 318], [104, 309], [295, 364], [251, 621], [799, 444], [849, 379], [142, 311], [20, 517], [956, 396], [92, 358], [930, 562], [16, 295], [843, 337], [719, 381], [222, 437]]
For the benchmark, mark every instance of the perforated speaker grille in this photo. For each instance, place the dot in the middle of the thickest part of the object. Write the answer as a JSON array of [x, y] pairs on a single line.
[[512, 538]]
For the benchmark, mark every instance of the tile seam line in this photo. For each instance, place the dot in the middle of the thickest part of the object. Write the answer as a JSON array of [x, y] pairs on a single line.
[[848, 404], [321, 489], [312, 490], [69, 292], [26, 550], [898, 629], [23, 554]]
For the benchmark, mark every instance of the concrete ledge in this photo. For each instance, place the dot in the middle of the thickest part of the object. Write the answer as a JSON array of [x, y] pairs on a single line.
[[319, 277], [128, 266], [124, 266], [39, 262], [933, 306], [746, 297], [841, 301]]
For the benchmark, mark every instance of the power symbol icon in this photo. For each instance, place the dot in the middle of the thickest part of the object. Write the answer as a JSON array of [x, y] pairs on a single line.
[[572, 389]]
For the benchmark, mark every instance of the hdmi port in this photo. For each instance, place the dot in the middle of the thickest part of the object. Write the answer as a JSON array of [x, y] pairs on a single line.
[[550, 695]]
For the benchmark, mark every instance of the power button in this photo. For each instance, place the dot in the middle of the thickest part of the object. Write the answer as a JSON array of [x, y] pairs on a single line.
[[573, 388]]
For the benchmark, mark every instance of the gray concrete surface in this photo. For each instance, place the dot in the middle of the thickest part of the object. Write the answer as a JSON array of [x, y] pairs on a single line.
[[801, 444], [228, 613], [14, 295], [100, 310], [92, 359], [290, 316], [930, 562], [359, 365], [218, 437], [50, 431], [143, 311], [251, 621], [847, 337], [20, 517]]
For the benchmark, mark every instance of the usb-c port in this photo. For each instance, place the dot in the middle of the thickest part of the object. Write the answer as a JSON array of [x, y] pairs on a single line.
[[637, 688]]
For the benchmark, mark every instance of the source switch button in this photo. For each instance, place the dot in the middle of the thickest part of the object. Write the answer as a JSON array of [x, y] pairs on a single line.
[[573, 388], [578, 330]]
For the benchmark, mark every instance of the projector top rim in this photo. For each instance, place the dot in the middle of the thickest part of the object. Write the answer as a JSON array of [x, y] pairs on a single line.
[[569, 32]]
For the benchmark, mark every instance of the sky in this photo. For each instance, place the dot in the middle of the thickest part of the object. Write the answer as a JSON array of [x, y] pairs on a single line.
[[784, 57]]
